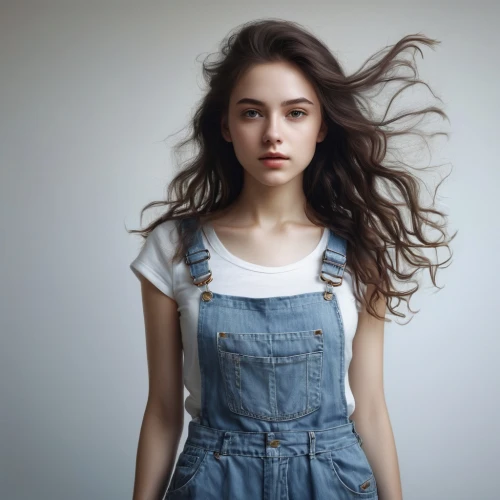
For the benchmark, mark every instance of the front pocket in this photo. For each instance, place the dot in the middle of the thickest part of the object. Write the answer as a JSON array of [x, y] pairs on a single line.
[[272, 376], [186, 468], [353, 472]]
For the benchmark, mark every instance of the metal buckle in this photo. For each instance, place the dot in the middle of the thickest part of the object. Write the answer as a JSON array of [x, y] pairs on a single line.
[[331, 261], [342, 266], [330, 282], [204, 282], [196, 261]]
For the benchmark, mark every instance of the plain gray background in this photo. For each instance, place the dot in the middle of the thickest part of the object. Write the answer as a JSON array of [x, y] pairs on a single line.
[[88, 92]]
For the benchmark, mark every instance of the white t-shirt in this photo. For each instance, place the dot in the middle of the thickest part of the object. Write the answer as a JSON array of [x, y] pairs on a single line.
[[234, 276]]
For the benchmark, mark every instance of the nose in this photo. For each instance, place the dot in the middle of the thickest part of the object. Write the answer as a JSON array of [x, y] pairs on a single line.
[[272, 133]]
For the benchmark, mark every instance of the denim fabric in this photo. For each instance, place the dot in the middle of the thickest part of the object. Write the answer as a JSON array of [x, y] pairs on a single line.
[[273, 422]]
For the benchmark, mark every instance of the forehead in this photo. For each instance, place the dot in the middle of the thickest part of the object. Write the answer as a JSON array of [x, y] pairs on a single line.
[[273, 83]]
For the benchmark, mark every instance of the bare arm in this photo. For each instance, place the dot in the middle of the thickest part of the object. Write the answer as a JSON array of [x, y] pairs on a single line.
[[163, 420], [371, 415]]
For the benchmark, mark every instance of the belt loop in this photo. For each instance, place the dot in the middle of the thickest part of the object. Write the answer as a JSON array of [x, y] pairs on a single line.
[[226, 439], [358, 437], [353, 425], [312, 445]]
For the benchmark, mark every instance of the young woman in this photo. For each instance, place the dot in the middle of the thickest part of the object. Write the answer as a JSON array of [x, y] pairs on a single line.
[[271, 273]]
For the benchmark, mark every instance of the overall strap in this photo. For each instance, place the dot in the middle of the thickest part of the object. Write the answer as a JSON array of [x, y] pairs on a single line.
[[334, 262], [197, 259]]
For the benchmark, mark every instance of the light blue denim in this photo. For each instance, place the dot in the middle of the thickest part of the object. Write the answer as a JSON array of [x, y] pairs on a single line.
[[273, 422]]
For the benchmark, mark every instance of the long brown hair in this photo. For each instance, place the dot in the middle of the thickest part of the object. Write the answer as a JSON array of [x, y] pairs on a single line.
[[351, 186]]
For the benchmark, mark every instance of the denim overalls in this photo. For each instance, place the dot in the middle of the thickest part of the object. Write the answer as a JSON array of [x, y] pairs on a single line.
[[273, 422]]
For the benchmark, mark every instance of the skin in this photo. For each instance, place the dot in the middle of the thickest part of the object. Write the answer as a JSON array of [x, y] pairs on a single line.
[[272, 196], [255, 129]]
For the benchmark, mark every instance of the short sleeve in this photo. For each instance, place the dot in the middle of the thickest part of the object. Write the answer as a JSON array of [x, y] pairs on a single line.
[[154, 261]]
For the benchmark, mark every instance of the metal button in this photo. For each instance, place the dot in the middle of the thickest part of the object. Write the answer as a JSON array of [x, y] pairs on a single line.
[[318, 332], [206, 296], [222, 334], [217, 455], [274, 443]]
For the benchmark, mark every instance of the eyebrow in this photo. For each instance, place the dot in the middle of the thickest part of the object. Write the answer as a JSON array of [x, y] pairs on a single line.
[[299, 100]]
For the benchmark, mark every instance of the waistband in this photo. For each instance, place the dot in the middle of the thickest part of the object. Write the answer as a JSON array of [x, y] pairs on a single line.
[[271, 444]]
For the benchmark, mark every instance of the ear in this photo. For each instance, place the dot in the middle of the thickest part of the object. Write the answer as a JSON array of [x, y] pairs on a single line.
[[322, 131], [225, 129]]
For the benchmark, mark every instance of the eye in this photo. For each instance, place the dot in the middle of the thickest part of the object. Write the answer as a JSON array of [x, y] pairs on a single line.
[[249, 111], [293, 111]]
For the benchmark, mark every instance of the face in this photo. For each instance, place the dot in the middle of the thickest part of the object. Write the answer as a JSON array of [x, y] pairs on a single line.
[[259, 121]]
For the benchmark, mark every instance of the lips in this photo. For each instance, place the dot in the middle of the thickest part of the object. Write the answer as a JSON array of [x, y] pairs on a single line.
[[274, 156]]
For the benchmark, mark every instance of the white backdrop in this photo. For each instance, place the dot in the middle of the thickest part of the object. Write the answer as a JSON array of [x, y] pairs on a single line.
[[88, 91]]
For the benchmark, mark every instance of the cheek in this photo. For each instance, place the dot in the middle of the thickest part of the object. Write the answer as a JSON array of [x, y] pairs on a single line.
[[243, 136], [311, 134], [307, 141]]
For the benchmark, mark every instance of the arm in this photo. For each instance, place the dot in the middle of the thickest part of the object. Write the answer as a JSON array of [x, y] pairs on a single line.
[[163, 420], [371, 415]]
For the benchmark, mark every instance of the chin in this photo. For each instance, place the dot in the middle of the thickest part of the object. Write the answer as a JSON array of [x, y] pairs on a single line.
[[274, 179]]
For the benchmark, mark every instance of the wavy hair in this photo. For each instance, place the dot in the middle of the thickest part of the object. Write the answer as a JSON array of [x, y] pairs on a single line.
[[354, 185]]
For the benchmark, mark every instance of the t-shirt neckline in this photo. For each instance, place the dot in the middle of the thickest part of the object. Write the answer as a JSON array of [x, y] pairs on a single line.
[[222, 251]]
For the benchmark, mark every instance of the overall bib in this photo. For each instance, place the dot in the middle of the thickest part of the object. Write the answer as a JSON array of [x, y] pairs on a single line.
[[273, 422]]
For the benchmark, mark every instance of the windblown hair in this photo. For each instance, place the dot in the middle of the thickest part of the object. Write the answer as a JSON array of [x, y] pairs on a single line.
[[351, 186]]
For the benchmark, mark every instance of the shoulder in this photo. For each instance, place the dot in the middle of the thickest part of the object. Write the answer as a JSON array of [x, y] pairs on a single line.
[[160, 244], [165, 232], [163, 238]]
